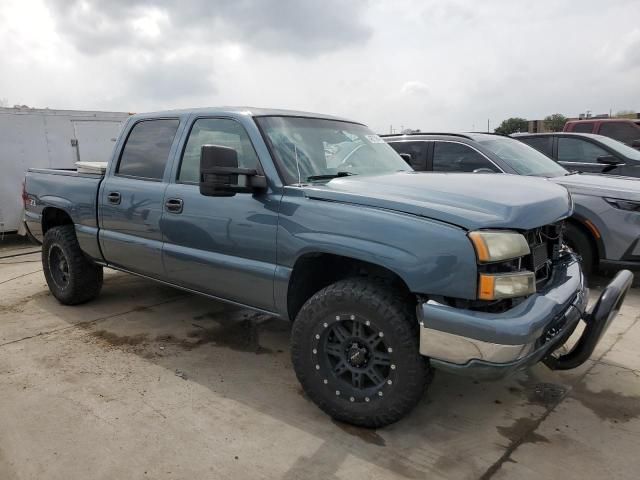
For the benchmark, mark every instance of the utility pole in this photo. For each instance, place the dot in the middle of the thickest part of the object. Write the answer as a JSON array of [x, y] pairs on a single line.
[[488, 126]]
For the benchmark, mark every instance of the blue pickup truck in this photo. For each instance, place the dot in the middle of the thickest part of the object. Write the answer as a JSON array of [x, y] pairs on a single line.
[[386, 273]]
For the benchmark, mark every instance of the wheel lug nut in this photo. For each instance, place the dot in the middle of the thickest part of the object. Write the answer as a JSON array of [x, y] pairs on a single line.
[[351, 399], [315, 351], [380, 394], [389, 382], [367, 323], [352, 317], [389, 349], [381, 334], [337, 317], [325, 381], [317, 367], [366, 399], [393, 367], [317, 337], [337, 392], [325, 324]]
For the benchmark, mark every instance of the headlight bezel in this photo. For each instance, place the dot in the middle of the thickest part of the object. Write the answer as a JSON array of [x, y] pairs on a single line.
[[488, 248], [496, 248], [506, 285]]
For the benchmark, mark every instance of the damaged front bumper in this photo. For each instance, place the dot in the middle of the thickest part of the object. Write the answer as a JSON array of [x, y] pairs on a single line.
[[492, 345]]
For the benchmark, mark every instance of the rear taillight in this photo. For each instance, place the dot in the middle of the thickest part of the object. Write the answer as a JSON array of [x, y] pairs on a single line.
[[25, 197]]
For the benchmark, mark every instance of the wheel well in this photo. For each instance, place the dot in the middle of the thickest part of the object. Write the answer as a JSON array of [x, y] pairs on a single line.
[[589, 236], [314, 271], [54, 217]]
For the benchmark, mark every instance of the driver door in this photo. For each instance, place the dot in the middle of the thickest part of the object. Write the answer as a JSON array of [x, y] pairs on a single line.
[[221, 246]]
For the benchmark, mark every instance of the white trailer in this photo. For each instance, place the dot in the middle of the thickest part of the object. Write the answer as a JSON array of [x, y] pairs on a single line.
[[44, 138]]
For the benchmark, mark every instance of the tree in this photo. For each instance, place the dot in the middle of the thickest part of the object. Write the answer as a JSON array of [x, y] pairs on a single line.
[[625, 114], [555, 122], [512, 125]]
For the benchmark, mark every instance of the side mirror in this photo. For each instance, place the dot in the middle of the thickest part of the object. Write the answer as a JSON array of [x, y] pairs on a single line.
[[609, 160], [220, 175], [636, 143], [483, 170], [406, 157]]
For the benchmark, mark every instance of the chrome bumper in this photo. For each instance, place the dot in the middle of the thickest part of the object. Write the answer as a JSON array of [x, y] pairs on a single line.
[[463, 339]]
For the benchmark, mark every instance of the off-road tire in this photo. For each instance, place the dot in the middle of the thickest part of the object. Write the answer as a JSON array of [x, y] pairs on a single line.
[[81, 281], [385, 309], [580, 243]]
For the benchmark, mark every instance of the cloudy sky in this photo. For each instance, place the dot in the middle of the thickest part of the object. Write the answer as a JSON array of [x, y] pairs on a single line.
[[441, 64]]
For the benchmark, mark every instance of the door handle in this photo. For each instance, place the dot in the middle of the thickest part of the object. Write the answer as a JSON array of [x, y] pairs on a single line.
[[114, 197], [174, 205]]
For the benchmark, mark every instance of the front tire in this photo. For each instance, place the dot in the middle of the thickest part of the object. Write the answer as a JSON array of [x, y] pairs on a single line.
[[72, 277], [355, 350], [580, 243]]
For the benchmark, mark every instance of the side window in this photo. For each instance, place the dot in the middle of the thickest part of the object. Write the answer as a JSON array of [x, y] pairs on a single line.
[[215, 131], [417, 150], [578, 150], [147, 149], [456, 157], [621, 131], [542, 144], [586, 127]]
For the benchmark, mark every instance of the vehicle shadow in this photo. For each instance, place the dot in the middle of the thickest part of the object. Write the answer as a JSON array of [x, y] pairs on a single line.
[[460, 427]]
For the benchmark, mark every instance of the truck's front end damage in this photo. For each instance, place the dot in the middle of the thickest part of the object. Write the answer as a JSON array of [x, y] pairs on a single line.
[[531, 297]]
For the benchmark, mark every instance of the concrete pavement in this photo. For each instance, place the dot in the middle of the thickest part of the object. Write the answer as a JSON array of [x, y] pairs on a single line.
[[150, 382]]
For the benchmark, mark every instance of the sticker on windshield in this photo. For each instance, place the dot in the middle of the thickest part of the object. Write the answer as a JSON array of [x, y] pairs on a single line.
[[374, 138]]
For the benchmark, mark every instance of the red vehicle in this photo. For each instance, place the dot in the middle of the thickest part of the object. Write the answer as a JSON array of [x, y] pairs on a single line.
[[624, 130]]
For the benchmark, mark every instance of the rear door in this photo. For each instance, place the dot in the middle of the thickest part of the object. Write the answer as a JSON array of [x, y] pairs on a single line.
[[132, 197], [221, 246], [575, 153]]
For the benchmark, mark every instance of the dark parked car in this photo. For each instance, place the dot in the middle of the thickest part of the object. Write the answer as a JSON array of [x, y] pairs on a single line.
[[624, 130], [384, 272], [605, 227], [586, 152]]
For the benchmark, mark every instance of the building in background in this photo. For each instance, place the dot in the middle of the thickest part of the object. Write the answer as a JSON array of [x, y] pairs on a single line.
[[45, 138]]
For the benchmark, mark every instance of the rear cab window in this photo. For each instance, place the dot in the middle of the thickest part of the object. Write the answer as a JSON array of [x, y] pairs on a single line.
[[586, 127], [146, 151]]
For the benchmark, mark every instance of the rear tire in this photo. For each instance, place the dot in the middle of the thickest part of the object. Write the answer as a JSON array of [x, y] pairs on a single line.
[[580, 243], [355, 350], [72, 277]]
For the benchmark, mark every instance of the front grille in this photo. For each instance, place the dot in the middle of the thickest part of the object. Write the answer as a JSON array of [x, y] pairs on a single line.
[[545, 244]]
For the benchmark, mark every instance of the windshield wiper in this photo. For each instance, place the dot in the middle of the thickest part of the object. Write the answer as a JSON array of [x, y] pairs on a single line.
[[329, 176], [571, 172]]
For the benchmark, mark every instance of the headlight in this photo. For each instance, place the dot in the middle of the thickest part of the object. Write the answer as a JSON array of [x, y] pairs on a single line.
[[492, 246], [624, 204], [494, 287]]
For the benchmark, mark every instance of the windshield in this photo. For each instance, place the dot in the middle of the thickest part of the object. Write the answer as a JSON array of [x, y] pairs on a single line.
[[619, 147], [524, 159], [312, 149]]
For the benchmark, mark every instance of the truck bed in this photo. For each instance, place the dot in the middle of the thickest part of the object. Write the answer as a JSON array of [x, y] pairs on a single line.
[[69, 190]]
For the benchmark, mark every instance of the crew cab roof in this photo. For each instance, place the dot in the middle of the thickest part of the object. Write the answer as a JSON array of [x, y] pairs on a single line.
[[239, 111]]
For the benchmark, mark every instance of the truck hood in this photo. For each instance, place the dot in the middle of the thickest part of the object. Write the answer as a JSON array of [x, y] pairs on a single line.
[[625, 188], [471, 201]]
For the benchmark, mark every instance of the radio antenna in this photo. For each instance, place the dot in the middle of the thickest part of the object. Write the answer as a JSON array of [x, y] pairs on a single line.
[[295, 150]]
